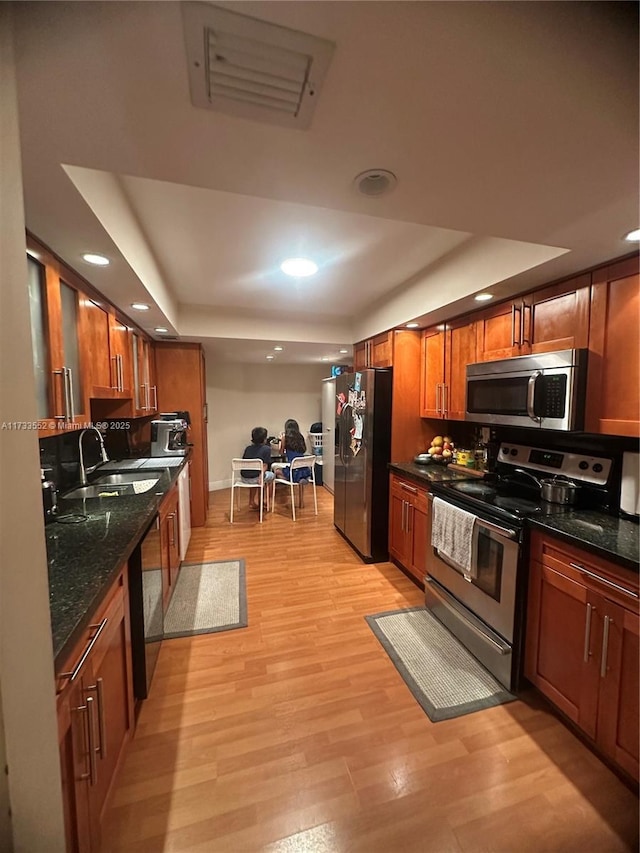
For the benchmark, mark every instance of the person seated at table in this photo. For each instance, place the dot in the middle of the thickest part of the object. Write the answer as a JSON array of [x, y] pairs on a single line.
[[293, 446], [290, 426], [257, 450]]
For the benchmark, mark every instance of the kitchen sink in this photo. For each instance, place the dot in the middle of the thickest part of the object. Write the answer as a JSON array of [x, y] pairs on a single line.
[[126, 477], [115, 486]]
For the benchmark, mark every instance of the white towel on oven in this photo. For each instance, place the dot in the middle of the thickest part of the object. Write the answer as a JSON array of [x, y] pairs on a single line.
[[453, 533]]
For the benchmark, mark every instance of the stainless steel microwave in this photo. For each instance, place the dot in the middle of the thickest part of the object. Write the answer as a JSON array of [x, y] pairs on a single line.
[[544, 391]]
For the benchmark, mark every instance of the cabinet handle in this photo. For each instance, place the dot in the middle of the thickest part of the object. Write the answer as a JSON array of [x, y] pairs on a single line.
[[408, 488], [73, 674], [605, 645], [445, 398], [515, 310], [114, 373], [61, 417], [525, 338], [631, 593], [402, 519], [120, 373], [72, 410], [409, 518], [438, 407], [92, 775], [172, 516], [98, 687], [155, 397], [587, 633]]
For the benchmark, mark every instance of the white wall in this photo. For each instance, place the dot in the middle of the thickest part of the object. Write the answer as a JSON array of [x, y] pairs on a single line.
[[27, 690], [242, 396]]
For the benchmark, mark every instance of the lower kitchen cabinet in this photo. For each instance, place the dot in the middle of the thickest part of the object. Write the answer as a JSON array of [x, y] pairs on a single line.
[[408, 518], [95, 717], [582, 646], [169, 543]]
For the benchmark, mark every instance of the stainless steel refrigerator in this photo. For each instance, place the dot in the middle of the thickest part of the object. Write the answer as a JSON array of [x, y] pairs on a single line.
[[363, 446]]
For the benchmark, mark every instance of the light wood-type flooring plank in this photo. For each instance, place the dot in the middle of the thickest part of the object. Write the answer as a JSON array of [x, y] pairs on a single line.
[[297, 735]]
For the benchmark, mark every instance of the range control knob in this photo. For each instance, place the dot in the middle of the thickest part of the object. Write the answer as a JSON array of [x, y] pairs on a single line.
[[583, 465], [597, 467], [505, 450], [514, 451]]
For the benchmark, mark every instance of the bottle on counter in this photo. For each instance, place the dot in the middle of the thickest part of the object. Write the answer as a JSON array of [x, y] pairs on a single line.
[[480, 455]]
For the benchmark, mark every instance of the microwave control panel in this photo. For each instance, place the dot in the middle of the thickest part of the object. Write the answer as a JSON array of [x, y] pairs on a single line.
[[576, 466]]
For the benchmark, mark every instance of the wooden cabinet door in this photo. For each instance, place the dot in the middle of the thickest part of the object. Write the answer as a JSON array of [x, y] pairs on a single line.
[[398, 539], [460, 350], [419, 542], [112, 689], [75, 767], [120, 354], [169, 544], [619, 688], [613, 405], [100, 373], [562, 644], [381, 350], [499, 331], [433, 373], [557, 317], [60, 355], [182, 386], [360, 352]]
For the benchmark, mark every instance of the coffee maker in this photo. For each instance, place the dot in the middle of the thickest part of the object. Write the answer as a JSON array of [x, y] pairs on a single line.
[[169, 434]]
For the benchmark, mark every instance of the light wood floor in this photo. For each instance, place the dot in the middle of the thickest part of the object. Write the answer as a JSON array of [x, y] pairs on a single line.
[[297, 733]]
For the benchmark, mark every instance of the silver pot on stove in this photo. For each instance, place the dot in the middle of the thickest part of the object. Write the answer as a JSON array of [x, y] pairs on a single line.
[[555, 490]]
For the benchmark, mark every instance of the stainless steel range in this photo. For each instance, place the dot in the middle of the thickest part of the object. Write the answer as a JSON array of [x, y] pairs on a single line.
[[476, 578]]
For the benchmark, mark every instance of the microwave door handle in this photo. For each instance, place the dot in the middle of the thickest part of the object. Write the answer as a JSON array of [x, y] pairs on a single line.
[[531, 395]]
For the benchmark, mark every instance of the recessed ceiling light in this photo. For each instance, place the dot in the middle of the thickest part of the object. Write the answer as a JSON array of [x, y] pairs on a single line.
[[278, 349], [412, 325], [161, 329], [344, 351], [633, 236], [270, 357], [98, 260], [375, 182], [299, 267], [483, 297], [325, 358], [140, 306]]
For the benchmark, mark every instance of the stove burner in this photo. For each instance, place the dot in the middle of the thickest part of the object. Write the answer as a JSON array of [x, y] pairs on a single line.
[[521, 506], [474, 488]]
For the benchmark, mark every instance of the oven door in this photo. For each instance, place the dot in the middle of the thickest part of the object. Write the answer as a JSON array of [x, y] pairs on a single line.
[[489, 591]]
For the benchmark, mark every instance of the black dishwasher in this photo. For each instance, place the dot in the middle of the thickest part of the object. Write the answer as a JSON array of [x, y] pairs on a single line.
[[145, 603]]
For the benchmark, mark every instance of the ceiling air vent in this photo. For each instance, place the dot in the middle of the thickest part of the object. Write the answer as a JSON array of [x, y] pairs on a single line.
[[249, 68]]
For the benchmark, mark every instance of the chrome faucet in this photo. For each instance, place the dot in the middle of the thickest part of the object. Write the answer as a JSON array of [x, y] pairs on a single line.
[[103, 453]]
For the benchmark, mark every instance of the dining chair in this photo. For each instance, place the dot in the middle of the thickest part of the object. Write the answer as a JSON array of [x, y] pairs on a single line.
[[295, 465], [237, 467]]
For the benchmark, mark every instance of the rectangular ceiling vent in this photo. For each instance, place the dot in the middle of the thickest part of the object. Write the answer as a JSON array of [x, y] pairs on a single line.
[[252, 69]]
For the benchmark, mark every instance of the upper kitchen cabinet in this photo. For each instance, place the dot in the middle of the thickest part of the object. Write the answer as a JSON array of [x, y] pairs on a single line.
[[446, 351], [59, 355], [182, 387], [553, 318], [374, 352], [108, 339], [614, 343], [145, 389]]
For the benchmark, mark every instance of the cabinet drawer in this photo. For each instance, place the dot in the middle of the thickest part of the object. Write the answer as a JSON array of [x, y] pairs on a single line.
[[617, 583], [410, 492]]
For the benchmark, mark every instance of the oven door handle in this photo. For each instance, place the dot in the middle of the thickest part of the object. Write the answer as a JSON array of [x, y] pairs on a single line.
[[531, 395], [503, 531]]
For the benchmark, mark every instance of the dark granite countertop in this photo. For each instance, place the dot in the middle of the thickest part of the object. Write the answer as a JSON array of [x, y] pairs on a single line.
[[614, 538], [617, 539], [84, 558], [427, 473]]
